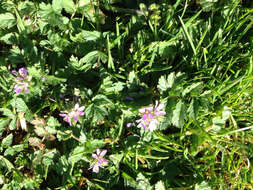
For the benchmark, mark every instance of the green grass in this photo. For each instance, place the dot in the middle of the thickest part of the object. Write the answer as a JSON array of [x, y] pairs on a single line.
[[115, 49]]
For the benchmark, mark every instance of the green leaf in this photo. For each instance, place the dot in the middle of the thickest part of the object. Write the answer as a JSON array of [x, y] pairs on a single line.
[[6, 163], [69, 6], [91, 35], [48, 158], [108, 86], [7, 112], [14, 150], [10, 38], [20, 105], [193, 89], [57, 6], [52, 124], [96, 112], [3, 124], [64, 135], [142, 182], [193, 109], [92, 145], [7, 141], [93, 56], [116, 159], [179, 115], [13, 123], [203, 186], [7, 20], [54, 80], [165, 84], [77, 154], [160, 185]]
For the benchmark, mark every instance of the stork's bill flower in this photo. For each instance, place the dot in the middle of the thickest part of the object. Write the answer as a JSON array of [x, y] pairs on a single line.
[[151, 116], [21, 80], [99, 162], [73, 115]]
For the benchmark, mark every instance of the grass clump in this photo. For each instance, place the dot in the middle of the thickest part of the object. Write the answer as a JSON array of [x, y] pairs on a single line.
[[126, 94]]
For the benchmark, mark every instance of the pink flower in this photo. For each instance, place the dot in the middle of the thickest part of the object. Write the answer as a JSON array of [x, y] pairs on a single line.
[[151, 116], [99, 160], [22, 81], [73, 115]]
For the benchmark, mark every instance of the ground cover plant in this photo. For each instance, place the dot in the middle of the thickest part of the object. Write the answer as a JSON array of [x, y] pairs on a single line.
[[123, 94]]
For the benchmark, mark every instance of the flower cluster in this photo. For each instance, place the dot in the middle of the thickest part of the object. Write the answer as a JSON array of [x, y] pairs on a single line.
[[151, 116], [22, 80], [73, 116], [99, 160]]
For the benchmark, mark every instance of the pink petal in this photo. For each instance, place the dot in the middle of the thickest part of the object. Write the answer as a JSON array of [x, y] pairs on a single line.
[[81, 108], [14, 72], [62, 114], [95, 168], [156, 103], [75, 118], [153, 125], [76, 106], [17, 89], [150, 116], [104, 161], [162, 113], [160, 107], [98, 151], [140, 125], [94, 156], [144, 117], [103, 153], [26, 90], [142, 110]]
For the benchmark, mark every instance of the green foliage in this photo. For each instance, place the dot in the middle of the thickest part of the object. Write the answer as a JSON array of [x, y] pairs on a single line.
[[113, 58]]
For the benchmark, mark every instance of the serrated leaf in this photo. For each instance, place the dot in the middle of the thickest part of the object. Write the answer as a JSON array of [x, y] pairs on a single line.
[[20, 105], [13, 123], [93, 56], [226, 113], [193, 109], [160, 185], [6, 163], [34, 141], [116, 159], [179, 115], [69, 6], [162, 84], [142, 182], [54, 80], [165, 84], [96, 112], [77, 154], [101, 99], [57, 6], [10, 38], [91, 35], [7, 112], [7, 20], [203, 186], [52, 124], [3, 124], [7, 141], [48, 158], [193, 89], [92, 145], [14, 150], [64, 135]]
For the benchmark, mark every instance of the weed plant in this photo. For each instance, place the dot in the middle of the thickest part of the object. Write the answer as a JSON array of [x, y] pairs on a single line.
[[124, 94]]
